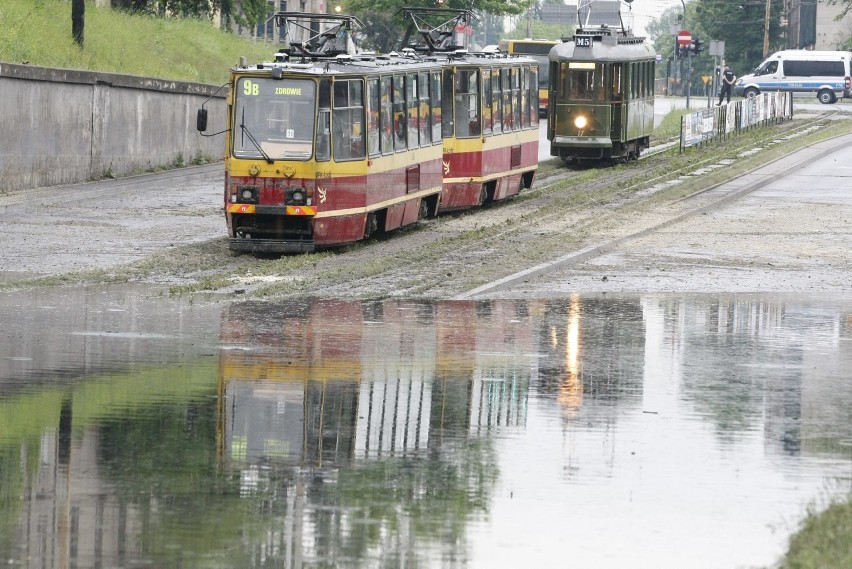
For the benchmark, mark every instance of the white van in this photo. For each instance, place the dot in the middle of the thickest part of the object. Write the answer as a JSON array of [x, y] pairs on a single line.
[[826, 73]]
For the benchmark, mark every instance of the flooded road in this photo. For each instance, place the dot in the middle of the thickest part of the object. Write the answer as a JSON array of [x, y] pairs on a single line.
[[604, 430]]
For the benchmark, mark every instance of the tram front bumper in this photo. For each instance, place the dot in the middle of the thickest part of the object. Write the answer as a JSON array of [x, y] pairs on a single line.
[[588, 141], [270, 245]]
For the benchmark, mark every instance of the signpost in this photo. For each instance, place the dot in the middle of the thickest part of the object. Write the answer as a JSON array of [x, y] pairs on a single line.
[[684, 41]]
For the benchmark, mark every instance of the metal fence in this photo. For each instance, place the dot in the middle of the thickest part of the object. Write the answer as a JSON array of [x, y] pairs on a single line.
[[716, 123]]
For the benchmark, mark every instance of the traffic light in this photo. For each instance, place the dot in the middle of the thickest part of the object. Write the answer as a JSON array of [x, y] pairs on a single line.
[[697, 46]]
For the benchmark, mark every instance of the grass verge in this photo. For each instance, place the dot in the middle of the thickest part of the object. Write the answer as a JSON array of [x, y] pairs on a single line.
[[824, 540], [38, 32]]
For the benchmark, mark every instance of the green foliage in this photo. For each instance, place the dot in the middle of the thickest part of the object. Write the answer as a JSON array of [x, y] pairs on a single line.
[[660, 32], [740, 26], [385, 25], [250, 12], [39, 33], [824, 540]]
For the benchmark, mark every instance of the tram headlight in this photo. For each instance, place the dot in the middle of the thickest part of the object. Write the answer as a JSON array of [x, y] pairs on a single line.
[[245, 194], [296, 196], [581, 122]]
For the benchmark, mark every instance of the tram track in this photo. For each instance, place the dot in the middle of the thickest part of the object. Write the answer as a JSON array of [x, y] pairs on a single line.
[[568, 215], [557, 222], [696, 203]]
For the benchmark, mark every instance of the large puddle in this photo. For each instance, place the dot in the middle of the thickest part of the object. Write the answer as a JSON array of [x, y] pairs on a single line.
[[657, 431]]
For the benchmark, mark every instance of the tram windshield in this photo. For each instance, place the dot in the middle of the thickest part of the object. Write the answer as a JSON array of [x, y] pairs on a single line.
[[584, 86], [274, 118]]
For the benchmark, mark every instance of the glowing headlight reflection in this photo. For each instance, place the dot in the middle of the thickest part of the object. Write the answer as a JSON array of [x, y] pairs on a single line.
[[580, 122]]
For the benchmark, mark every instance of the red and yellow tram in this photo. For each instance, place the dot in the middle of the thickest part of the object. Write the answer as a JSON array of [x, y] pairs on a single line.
[[491, 141], [490, 108], [326, 147]]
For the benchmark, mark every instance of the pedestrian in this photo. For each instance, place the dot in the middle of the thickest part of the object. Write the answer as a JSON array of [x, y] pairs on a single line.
[[728, 79]]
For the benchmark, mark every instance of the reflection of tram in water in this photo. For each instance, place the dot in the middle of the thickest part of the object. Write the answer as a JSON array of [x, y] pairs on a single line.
[[601, 95], [326, 382], [326, 147]]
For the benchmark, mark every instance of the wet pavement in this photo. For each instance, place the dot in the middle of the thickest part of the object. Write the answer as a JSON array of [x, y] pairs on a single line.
[[597, 430]]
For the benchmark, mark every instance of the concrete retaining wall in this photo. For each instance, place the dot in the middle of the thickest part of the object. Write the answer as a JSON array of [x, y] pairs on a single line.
[[61, 126]]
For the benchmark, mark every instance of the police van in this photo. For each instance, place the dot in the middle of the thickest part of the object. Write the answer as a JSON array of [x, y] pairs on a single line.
[[826, 73]]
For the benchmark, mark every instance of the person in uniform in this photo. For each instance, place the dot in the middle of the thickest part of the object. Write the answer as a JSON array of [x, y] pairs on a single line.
[[728, 79]]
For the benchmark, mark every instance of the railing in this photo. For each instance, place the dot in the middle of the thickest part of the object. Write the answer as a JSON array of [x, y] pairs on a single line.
[[717, 123]]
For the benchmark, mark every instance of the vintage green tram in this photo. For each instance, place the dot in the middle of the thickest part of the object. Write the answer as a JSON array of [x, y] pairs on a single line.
[[601, 95]]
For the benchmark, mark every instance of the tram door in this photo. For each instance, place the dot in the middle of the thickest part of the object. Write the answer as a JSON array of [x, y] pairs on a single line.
[[613, 78]]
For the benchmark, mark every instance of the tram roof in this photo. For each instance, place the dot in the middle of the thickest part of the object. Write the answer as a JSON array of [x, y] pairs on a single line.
[[608, 45], [372, 63]]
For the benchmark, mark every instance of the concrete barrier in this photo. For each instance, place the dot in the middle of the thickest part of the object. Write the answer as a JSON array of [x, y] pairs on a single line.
[[63, 126]]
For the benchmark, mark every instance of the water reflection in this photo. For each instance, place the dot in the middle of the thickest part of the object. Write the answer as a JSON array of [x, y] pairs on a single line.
[[598, 431]]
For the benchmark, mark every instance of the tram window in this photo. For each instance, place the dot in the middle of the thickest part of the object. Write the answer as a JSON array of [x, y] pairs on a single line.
[[386, 115], [561, 87], [582, 84], [652, 71], [447, 104], [324, 122], [496, 103], [411, 121], [650, 78], [486, 101], [616, 81], [516, 98], [467, 103], [399, 112], [634, 76], [423, 111], [506, 86], [348, 120], [534, 87], [524, 73], [435, 90], [373, 117]]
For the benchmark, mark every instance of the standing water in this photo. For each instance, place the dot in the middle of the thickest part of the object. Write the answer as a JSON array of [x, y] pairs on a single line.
[[600, 431]]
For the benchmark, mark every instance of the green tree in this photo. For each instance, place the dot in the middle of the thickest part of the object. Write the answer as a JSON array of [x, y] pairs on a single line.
[[386, 26], [250, 12], [741, 26], [660, 31]]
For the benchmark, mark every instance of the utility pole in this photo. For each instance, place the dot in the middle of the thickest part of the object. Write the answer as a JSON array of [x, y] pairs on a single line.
[[766, 29], [688, 59], [530, 18]]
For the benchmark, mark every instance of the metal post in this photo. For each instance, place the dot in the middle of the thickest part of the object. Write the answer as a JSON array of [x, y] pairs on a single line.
[[766, 30], [688, 74]]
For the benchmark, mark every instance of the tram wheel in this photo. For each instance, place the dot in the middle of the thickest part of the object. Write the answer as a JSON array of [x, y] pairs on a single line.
[[372, 224], [483, 196], [424, 210]]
